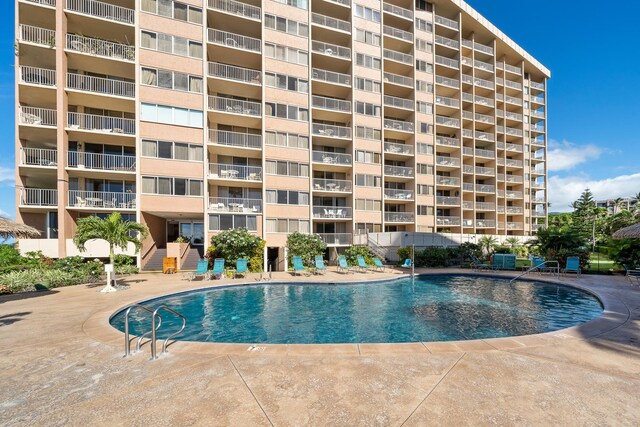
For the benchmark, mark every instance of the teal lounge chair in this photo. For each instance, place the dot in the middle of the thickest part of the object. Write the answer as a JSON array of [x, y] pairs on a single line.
[[241, 268], [298, 267], [343, 266], [218, 268], [476, 264], [378, 265], [321, 268], [573, 266], [362, 264], [407, 263], [201, 270]]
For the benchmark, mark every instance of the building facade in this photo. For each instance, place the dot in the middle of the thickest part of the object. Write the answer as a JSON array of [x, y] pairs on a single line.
[[333, 117]]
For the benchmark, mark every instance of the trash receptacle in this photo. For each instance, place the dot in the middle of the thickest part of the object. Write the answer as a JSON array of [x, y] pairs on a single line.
[[169, 265]]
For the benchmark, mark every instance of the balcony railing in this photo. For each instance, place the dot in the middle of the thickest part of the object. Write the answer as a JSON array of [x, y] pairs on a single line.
[[484, 136], [515, 210], [331, 77], [537, 128], [485, 223], [394, 101], [449, 102], [398, 79], [37, 35], [448, 220], [514, 194], [536, 85], [37, 116], [485, 188], [515, 226], [332, 131], [38, 157], [401, 171], [483, 83], [450, 181], [448, 121], [99, 47], [94, 122], [232, 72], [333, 185], [101, 199], [514, 179], [481, 100], [99, 161], [447, 161], [479, 152], [236, 8], [446, 22], [398, 217], [235, 139], [538, 114], [395, 194], [37, 76], [483, 48], [235, 106], [332, 212], [330, 22], [513, 85], [326, 157], [38, 197], [514, 163], [235, 172], [235, 41], [100, 85], [447, 141], [331, 103], [485, 206], [336, 239], [397, 33], [513, 100], [394, 148], [331, 50], [102, 10], [447, 201], [397, 10], [445, 41], [394, 55], [391, 124], [483, 65], [51, 3], [512, 69], [443, 60], [235, 205], [446, 81]]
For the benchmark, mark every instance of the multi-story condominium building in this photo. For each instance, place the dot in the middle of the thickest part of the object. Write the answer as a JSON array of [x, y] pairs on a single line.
[[334, 117], [614, 206]]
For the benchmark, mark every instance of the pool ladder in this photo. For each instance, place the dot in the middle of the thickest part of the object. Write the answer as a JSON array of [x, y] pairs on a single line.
[[156, 322]]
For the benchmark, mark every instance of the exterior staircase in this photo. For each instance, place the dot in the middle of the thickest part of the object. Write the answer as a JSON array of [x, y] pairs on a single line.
[[379, 251], [194, 255], [155, 263]]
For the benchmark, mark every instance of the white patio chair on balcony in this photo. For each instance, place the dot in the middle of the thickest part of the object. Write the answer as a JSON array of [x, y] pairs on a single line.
[[81, 202], [339, 213], [110, 204]]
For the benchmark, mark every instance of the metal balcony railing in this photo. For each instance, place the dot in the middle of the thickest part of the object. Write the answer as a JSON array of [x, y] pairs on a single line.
[[485, 206], [483, 65], [331, 103], [38, 157], [394, 101], [446, 22], [398, 79], [485, 223], [513, 85], [536, 85], [336, 239], [515, 226], [235, 106], [331, 77], [443, 60], [449, 102], [397, 10], [451, 181], [38, 197], [325, 157], [446, 81], [235, 41], [396, 194], [37, 76], [448, 220], [332, 185], [94, 122], [235, 205], [327, 21], [101, 199], [512, 69], [37, 35], [99, 161], [332, 131], [447, 201], [513, 194], [236, 8], [332, 212], [400, 171], [235, 172], [485, 188], [102, 10], [331, 50], [235, 139], [515, 210], [100, 85], [483, 48], [398, 217], [51, 3], [448, 121], [232, 72], [394, 148], [445, 41], [397, 33], [99, 47], [394, 55], [447, 161], [37, 116], [484, 136], [391, 124], [447, 141]]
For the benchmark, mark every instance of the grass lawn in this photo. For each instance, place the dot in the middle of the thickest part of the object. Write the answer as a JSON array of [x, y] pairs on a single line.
[[601, 262]]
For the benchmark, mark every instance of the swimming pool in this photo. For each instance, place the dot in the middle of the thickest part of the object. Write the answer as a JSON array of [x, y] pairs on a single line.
[[434, 308]]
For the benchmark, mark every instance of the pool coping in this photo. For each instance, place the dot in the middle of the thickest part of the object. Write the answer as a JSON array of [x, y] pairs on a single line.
[[615, 314]]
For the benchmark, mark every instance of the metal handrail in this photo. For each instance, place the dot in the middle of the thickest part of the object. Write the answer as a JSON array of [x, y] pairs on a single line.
[[127, 342], [153, 333], [535, 267]]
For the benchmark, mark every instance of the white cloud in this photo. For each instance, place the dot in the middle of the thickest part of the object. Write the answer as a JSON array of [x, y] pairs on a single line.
[[7, 174], [564, 190], [566, 155]]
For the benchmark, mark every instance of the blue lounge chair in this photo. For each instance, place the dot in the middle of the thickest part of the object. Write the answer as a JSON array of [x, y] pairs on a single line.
[[321, 268], [241, 268], [573, 265], [378, 265], [201, 270], [362, 264], [407, 263], [298, 266], [343, 266], [218, 268]]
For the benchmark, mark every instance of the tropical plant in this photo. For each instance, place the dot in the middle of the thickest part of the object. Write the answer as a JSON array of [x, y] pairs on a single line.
[[236, 244], [9, 256], [118, 233], [469, 250], [487, 244], [352, 253], [625, 251], [559, 243], [306, 246]]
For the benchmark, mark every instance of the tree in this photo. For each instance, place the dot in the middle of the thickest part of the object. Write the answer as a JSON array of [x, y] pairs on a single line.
[[557, 244], [236, 244], [306, 246], [487, 243], [117, 232]]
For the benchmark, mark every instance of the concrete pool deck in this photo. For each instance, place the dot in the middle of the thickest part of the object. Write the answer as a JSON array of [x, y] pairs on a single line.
[[61, 364]]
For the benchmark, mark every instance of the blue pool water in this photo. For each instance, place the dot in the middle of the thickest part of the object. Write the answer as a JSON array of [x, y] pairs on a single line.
[[435, 308]]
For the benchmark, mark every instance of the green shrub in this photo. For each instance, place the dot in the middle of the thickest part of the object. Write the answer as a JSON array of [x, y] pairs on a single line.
[[21, 281], [256, 262], [237, 244], [120, 259], [36, 259], [433, 256], [10, 256], [468, 250], [353, 252], [306, 246], [502, 250], [69, 262], [625, 251], [126, 269], [404, 253]]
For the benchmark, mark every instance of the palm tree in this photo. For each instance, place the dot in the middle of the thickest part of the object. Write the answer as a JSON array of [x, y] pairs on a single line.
[[117, 232], [513, 242], [487, 243]]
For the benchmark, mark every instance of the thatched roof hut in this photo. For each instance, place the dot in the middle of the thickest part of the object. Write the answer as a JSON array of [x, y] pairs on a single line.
[[631, 232], [10, 228]]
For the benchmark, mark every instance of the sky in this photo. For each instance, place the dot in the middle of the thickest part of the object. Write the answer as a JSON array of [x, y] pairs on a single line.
[[593, 99]]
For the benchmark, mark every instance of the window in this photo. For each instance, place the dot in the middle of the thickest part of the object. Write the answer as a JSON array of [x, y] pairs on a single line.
[[425, 127], [366, 13], [422, 86], [424, 5], [284, 225], [285, 25], [172, 150], [368, 61], [368, 133], [171, 80], [285, 139], [424, 107], [363, 180], [171, 115], [424, 66], [171, 186], [367, 109], [229, 222], [423, 169], [366, 227], [285, 82], [285, 168], [424, 210], [173, 9], [367, 157], [423, 25], [284, 53], [368, 85], [424, 148], [285, 197], [171, 44], [425, 190], [300, 4], [285, 111], [367, 37], [368, 205], [424, 45]]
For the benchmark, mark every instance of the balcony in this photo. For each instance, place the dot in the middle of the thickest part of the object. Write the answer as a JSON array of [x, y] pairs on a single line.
[[235, 205], [100, 85], [445, 41], [398, 217], [35, 116], [515, 210], [38, 157], [394, 101], [339, 159], [395, 194], [514, 179], [485, 223], [396, 56], [537, 114], [235, 172], [336, 239], [485, 206], [398, 79], [36, 35], [537, 142], [447, 201], [51, 3], [399, 125], [446, 22], [104, 162], [93, 122], [448, 221], [448, 121], [513, 194], [102, 48], [446, 81], [332, 185], [101, 10], [485, 66], [235, 106], [447, 141], [37, 76], [332, 212], [231, 72], [447, 62], [484, 136], [38, 197], [329, 22], [235, 41], [487, 84], [447, 161], [512, 69], [513, 85], [398, 171], [235, 139], [514, 163], [448, 181], [332, 104], [397, 33], [397, 11], [537, 128], [515, 226], [331, 77], [479, 170], [485, 188], [101, 200], [394, 148], [236, 8], [331, 50], [449, 102], [536, 85], [331, 131]]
